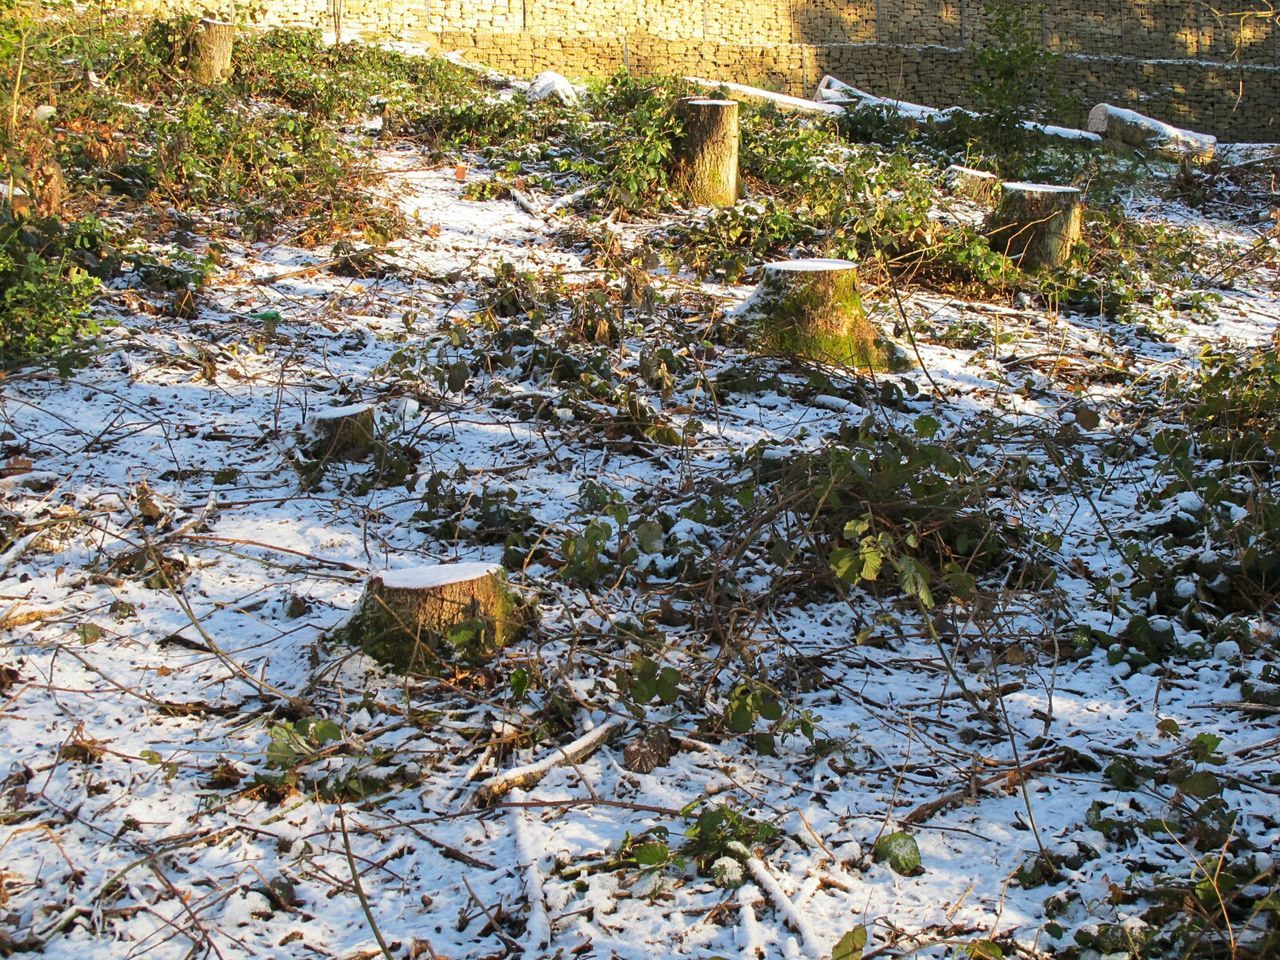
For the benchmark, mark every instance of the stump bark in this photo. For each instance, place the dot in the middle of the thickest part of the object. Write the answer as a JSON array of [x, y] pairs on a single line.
[[812, 309], [419, 619], [1036, 224], [706, 163], [209, 60], [976, 185], [341, 433], [1132, 129]]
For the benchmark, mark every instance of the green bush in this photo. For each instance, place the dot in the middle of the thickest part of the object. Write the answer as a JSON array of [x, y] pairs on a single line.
[[45, 273]]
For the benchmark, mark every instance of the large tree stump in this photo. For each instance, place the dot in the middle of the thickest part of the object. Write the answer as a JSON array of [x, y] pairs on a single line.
[[418, 619], [209, 57], [1132, 129], [1036, 224], [341, 433], [812, 309], [706, 162]]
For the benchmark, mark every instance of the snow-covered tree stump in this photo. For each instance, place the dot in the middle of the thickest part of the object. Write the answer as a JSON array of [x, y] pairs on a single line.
[[706, 162], [812, 309], [1132, 129], [976, 185], [341, 433], [419, 618], [1036, 224], [209, 59]]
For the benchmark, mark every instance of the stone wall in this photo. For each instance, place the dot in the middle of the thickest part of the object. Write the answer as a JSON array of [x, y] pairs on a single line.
[[1214, 68]]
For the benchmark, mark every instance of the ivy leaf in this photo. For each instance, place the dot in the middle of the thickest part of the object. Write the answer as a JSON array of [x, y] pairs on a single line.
[[326, 731]]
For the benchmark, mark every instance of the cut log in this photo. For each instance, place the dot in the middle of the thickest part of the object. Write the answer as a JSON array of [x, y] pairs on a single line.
[[706, 162], [812, 309], [551, 85], [976, 185], [209, 59], [341, 433], [758, 97], [418, 619], [1132, 129], [1036, 224]]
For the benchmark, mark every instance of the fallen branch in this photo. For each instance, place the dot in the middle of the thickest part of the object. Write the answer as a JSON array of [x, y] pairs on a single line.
[[765, 881], [754, 95], [531, 774], [927, 810], [537, 929]]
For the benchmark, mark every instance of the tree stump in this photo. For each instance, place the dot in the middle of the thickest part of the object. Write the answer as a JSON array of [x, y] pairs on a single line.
[[812, 309], [420, 618], [706, 162], [341, 433], [976, 185], [1036, 224], [1132, 129], [209, 59]]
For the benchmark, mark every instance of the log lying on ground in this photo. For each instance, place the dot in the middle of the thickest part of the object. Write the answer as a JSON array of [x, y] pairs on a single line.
[[551, 85], [706, 161], [812, 309], [755, 95], [977, 185], [1036, 224], [341, 433], [209, 58], [1131, 129], [418, 619]]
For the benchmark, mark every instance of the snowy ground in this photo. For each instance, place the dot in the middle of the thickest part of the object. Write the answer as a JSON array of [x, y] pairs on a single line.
[[165, 604]]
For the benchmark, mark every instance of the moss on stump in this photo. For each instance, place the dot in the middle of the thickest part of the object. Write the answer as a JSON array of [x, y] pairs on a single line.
[[812, 309], [420, 619]]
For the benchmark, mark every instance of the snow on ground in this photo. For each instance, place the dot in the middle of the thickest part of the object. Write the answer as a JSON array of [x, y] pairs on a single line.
[[166, 659]]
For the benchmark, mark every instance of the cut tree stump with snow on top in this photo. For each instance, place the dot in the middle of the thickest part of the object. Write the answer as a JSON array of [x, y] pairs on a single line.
[[812, 309], [706, 160], [1132, 129], [1036, 224], [341, 433], [420, 618], [209, 56], [976, 185]]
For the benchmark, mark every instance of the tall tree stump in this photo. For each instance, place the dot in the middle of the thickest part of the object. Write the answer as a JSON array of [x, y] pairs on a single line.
[[419, 619], [812, 309], [209, 57], [706, 161], [1036, 224]]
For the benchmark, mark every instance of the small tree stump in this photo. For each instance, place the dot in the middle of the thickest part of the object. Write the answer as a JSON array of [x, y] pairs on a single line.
[[706, 161], [209, 58], [1129, 128], [1036, 224], [812, 309], [341, 433], [420, 618], [976, 185]]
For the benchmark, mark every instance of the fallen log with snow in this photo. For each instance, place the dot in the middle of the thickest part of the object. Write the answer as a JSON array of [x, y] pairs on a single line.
[[833, 91], [520, 778], [1132, 129], [755, 95]]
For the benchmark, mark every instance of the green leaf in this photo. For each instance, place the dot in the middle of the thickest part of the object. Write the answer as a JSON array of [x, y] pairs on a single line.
[[651, 854], [326, 731], [926, 426], [845, 564], [901, 852], [769, 707], [1201, 785], [668, 685], [459, 374], [850, 946], [519, 683], [740, 718], [984, 950], [649, 536]]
